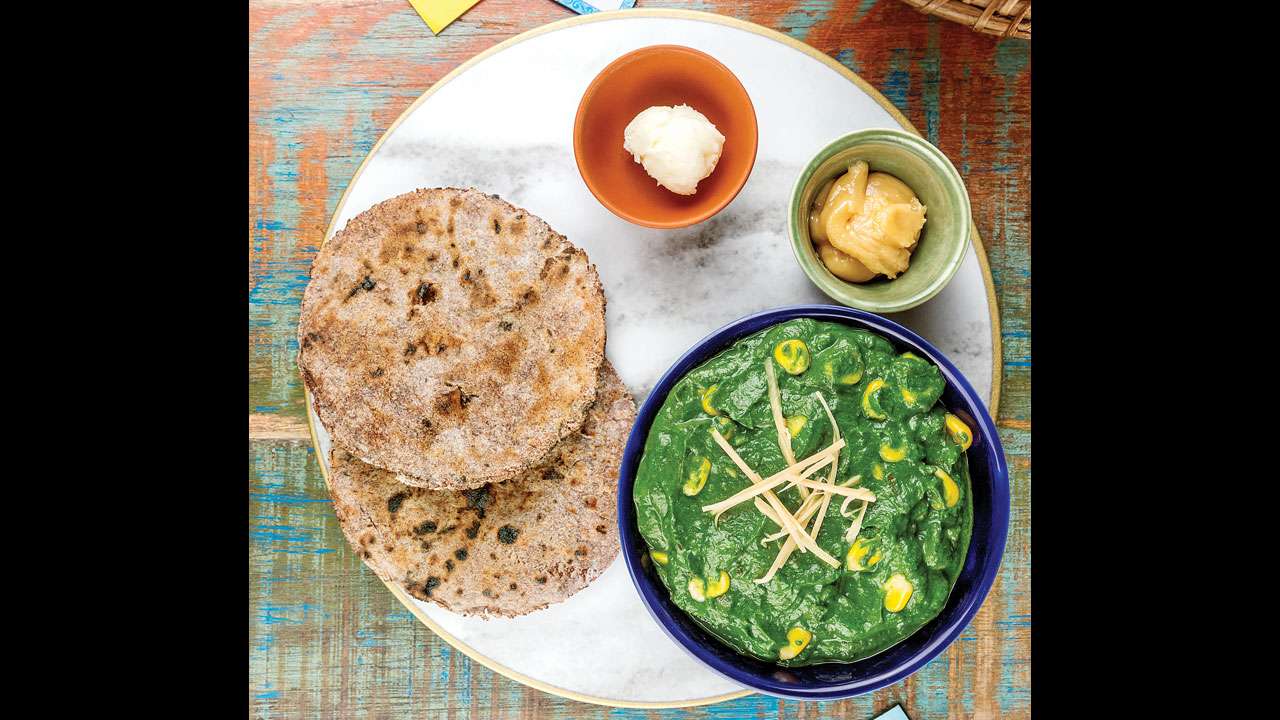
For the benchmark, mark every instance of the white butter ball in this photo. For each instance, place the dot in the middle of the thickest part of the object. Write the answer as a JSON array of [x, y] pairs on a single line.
[[678, 146]]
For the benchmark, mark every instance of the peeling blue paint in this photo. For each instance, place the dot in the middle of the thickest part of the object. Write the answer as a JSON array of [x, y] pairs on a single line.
[[808, 13], [848, 58], [897, 82]]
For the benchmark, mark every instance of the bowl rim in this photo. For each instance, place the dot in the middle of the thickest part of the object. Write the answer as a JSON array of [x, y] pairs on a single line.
[[579, 150], [832, 286], [706, 348]]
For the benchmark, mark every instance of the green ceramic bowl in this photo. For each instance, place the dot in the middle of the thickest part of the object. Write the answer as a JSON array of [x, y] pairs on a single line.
[[943, 241]]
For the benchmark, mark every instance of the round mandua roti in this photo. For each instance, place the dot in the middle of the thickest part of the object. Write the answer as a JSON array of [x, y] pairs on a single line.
[[502, 549], [451, 338]]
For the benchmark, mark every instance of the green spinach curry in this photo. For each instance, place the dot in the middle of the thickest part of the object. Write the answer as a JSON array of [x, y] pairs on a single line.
[[868, 553]]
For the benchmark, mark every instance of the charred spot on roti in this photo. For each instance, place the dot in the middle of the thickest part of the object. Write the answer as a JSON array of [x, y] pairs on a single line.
[[451, 404], [432, 343], [478, 499], [557, 267], [395, 501], [425, 293], [367, 284], [479, 292], [527, 298]]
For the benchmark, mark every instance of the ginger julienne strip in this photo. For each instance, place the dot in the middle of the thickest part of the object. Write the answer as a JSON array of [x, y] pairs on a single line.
[[780, 423], [801, 538], [794, 526], [795, 474], [831, 476]]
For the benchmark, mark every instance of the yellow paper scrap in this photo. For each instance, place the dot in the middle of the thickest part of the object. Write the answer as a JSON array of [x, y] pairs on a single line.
[[439, 13]]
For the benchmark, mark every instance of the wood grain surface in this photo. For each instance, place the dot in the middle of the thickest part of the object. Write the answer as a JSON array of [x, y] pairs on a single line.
[[326, 78]]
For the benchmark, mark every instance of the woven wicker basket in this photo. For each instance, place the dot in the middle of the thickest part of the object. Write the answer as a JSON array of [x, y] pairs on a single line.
[[1006, 18]]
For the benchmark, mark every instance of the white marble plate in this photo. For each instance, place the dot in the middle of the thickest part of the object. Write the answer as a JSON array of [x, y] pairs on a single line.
[[504, 124]]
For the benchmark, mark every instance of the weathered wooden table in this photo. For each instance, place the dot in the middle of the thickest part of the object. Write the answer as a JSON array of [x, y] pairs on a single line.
[[326, 78]]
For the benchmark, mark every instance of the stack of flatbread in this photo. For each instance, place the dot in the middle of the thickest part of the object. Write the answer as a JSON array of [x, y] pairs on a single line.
[[454, 348]]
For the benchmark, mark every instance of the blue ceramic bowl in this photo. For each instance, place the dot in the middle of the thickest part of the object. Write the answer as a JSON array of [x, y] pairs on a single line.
[[989, 478]]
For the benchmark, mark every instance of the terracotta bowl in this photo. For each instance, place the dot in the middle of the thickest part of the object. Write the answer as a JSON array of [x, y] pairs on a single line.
[[662, 75]]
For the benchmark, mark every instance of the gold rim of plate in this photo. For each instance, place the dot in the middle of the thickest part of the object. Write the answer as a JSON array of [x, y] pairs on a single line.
[[751, 27]]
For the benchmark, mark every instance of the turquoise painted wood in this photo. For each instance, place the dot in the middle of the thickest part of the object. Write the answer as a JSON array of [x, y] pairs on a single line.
[[326, 79]]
